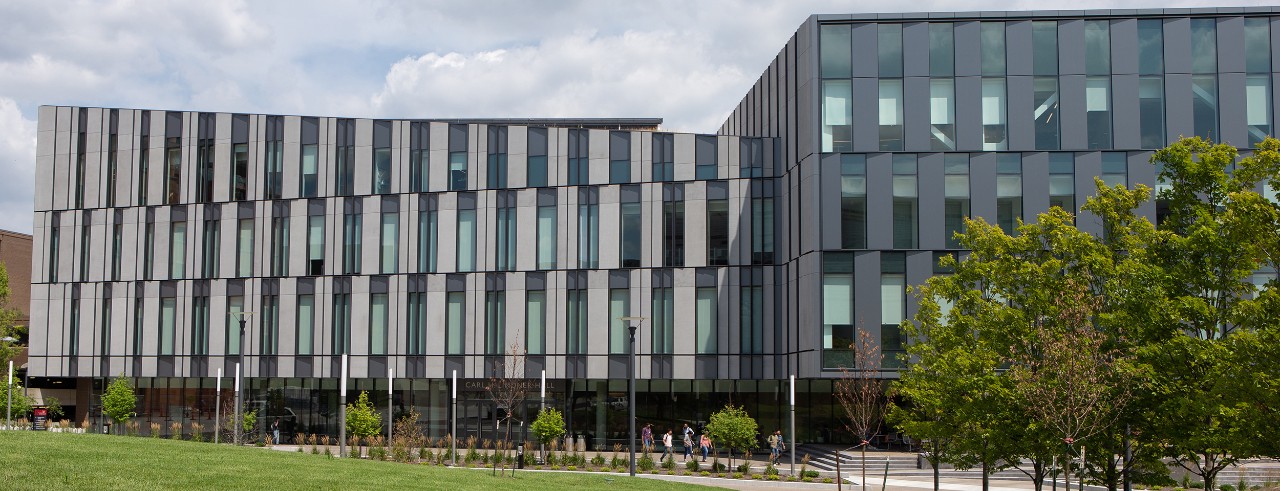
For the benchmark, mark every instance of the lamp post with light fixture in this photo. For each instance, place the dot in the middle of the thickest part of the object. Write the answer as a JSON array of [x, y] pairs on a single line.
[[631, 387], [240, 369]]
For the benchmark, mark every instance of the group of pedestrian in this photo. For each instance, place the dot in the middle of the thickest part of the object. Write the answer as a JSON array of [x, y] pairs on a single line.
[[777, 444]]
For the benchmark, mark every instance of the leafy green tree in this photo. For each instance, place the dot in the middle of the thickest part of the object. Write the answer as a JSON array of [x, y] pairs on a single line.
[[732, 427], [54, 406], [21, 404], [9, 329], [362, 419], [119, 401], [548, 426]]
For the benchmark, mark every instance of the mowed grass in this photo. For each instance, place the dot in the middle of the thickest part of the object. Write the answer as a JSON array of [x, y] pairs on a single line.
[[44, 461]]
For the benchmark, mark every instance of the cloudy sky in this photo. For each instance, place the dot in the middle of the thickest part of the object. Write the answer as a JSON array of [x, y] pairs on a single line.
[[687, 62]]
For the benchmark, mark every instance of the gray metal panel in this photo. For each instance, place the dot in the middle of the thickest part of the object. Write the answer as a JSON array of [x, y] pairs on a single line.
[[968, 113], [1177, 46], [1017, 42], [1231, 45], [916, 114], [1035, 185], [982, 186], [968, 44], [1124, 46], [1124, 112], [1177, 103], [1142, 172], [930, 181], [829, 205], [1071, 47], [1020, 121], [865, 56], [1088, 165], [1275, 43], [1073, 126], [915, 49], [866, 122], [1231, 109], [879, 201], [866, 288]]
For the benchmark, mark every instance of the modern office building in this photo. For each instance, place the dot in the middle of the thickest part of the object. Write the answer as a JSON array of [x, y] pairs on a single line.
[[753, 254]]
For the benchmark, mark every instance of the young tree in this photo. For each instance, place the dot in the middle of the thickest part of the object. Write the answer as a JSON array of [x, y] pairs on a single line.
[[363, 420], [119, 401], [732, 427], [860, 392], [9, 329], [508, 388], [548, 427]]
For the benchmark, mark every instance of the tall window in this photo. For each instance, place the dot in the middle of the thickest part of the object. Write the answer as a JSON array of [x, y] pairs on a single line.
[[309, 159], [535, 320], [1150, 46], [495, 322], [419, 156], [1009, 191], [204, 158], [505, 238], [942, 108], [1062, 181], [382, 174], [993, 50], [1045, 100], [273, 168], [706, 314], [956, 197], [497, 157], [428, 229], [942, 54], [537, 164], [1257, 86], [378, 320], [54, 248], [389, 257], [836, 53], [416, 328], [1204, 45], [239, 157], [673, 225], [199, 325], [619, 157], [905, 202], [890, 114], [717, 232], [631, 228], [547, 236], [280, 244], [1204, 105], [751, 323], [578, 165], [1115, 169], [837, 116], [576, 325], [352, 236], [1098, 107], [144, 156], [269, 325], [663, 320], [588, 229], [466, 240], [173, 168], [455, 323], [168, 323], [177, 250], [889, 51], [704, 157], [620, 306], [208, 247], [750, 157], [457, 157], [305, 336], [235, 308], [113, 147], [1151, 111], [762, 237], [315, 245], [1044, 47], [117, 250], [86, 235], [344, 159], [663, 157], [341, 323], [148, 248], [893, 306], [853, 201], [1097, 47], [994, 109]]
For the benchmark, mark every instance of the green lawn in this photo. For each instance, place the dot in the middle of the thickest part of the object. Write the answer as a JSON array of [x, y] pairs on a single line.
[[43, 461]]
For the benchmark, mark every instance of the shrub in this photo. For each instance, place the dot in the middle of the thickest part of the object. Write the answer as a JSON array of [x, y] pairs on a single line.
[[737, 475], [669, 464], [744, 467], [197, 431], [807, 479], [645, 463], [757, 476], [175, 430], [551, 459], [718, 466], [598, 460], [1197, 485], [770, 470], [1227, 487], [573, 467], [155, 430], [813, 474], [704, 473], [826, 480], [691, 465], [773, 477]]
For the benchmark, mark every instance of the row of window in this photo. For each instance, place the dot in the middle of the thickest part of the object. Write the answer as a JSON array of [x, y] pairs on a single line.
[[390, 240], [266, 324], [751, 159]]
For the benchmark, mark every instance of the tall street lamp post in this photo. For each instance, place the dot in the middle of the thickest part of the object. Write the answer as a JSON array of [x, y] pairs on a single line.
[[240, 369], [631, 387]]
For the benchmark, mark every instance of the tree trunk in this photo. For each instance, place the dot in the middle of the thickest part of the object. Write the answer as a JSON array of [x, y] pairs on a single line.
[[864, 466], [986, 476]]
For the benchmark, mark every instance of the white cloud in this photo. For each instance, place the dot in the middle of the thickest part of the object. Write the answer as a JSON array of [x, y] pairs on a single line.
[[581, 74], [17, 157]]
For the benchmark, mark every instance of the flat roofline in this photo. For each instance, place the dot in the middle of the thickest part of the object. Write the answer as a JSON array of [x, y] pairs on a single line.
[[556, 122], [1043, 14], [15, 234]]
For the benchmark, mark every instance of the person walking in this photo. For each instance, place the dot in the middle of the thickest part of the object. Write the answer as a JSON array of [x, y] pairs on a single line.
[[773, 447], [646, 438], [705, 444], [688, 443], [666, 447], [275, 432]]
